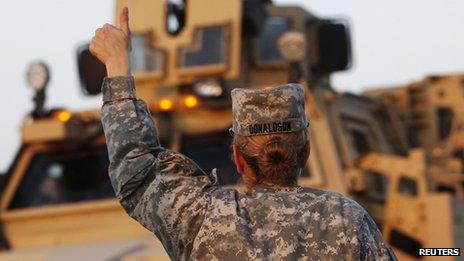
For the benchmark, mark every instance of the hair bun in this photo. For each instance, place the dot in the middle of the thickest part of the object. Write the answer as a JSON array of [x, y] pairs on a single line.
[[276, 159]]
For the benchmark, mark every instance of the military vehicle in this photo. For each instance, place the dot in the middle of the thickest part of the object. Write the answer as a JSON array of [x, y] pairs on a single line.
[[397, 151]]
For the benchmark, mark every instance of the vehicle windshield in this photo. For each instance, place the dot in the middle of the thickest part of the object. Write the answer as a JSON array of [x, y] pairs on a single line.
[[266, 44], [63, 177], [144, 58], [211, 151], [210, 47]]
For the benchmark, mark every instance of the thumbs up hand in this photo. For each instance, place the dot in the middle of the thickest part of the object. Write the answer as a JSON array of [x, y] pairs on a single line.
[[111, 45]]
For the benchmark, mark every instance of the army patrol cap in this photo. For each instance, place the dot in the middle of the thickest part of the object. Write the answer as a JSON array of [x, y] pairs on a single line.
[[268, 111]]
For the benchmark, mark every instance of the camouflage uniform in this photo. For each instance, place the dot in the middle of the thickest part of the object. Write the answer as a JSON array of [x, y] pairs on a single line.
[[196, 219]]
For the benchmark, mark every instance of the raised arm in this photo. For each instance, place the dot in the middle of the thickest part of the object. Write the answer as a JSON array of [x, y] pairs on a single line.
[[163, 190], [130, 137], [129, 129]]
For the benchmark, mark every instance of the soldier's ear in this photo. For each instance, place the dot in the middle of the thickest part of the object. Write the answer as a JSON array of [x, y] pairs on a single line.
[[238, 159]]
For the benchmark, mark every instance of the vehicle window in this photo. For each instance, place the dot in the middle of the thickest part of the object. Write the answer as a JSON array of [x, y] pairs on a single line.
[[405, 242], [143, 57], [408, 187], [211, 151], [210, 47], [266, 44], [445, 117], [361, 144], [376, 186], [63, 177], [359, 136]]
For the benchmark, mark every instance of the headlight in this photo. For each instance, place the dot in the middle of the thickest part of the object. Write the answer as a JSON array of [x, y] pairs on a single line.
[[37, 76], [190, 101], [165, 105], [208, 88], [63, 115]]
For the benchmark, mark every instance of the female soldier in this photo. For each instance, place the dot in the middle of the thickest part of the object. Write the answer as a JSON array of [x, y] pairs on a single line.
[[196, 219]]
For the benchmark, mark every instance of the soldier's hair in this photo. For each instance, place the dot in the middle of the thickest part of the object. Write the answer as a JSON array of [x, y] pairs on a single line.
[[274, 158]]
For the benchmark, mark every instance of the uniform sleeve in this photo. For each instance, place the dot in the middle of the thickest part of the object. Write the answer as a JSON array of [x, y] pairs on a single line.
[[163, 190], [372, 245]]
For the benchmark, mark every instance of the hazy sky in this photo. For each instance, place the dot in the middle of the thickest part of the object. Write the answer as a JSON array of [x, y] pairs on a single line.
[[393, 42]]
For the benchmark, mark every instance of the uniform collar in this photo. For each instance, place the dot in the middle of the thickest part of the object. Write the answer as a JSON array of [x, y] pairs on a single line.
[[273, 189]]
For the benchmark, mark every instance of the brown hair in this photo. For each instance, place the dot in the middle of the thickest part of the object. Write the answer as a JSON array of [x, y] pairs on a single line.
[[275, 158]]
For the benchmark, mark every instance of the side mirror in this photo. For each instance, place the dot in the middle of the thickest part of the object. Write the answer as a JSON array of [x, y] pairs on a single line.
[[91, 71], [329, 46]]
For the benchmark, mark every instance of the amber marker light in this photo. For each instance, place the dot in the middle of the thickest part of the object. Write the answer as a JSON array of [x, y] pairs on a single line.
[[63, 115], [190, 101], [165, 105]]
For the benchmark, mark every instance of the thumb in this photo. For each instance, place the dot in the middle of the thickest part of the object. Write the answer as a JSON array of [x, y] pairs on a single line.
[[124, 21]]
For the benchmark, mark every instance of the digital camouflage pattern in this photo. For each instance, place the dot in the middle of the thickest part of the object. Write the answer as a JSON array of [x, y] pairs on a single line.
[[196, 219], [270, 110]]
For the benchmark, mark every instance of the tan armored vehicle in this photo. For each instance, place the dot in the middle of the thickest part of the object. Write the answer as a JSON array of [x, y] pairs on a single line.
[[399, 151]]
